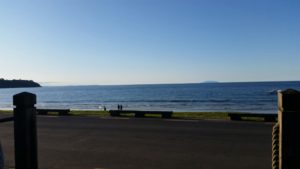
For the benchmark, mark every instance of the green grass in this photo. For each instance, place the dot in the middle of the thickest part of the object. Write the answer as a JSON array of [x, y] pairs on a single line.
[[258, 119], [6, 112], [175, 115], [201, 115], [73, 112], [89, 113]]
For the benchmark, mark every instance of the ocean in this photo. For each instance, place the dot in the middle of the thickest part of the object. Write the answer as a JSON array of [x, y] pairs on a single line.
[[252, 97]]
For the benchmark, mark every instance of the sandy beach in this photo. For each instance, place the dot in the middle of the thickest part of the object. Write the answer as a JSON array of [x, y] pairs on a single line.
[[130, 143]]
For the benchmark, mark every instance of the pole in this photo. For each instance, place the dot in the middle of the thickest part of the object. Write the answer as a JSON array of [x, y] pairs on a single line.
[[289, 127], [25, 131]]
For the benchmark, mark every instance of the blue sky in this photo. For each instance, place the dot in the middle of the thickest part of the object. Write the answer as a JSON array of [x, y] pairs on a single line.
[[149, 41]]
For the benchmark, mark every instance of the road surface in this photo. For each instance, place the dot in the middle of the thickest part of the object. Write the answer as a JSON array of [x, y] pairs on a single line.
[[130, 143]]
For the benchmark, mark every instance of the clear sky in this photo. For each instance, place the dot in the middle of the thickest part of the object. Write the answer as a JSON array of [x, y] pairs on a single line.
[[149, 41]]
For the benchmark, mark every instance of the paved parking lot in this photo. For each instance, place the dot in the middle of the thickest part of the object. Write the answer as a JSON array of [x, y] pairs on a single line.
[[129, 143]]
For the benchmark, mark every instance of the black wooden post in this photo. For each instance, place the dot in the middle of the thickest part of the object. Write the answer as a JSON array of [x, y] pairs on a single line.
[[25, 131], [289, 127]]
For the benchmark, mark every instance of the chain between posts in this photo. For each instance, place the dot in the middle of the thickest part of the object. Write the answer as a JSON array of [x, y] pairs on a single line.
[[275, 147]]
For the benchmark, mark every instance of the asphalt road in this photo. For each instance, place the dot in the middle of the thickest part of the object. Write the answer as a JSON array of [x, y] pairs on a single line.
[[123, 143]]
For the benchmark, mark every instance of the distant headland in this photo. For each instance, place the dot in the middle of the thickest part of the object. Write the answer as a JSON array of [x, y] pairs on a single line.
[[210, 81], [17, 83]]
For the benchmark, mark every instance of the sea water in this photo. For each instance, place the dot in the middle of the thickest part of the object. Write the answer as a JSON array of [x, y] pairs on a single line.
[[253, 97]]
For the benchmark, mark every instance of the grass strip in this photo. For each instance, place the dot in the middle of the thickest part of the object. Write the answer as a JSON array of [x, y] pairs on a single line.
[[89, 113], [6, 112], [201, 115], [175, 115]]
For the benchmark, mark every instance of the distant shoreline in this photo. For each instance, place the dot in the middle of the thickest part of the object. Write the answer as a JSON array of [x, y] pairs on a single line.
[[18, 83]]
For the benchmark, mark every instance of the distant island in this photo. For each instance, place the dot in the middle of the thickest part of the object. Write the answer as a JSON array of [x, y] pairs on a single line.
[[17, 83], [210, 81]]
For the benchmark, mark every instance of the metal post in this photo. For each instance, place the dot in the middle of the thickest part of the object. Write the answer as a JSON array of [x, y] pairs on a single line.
[[289, 127], [25, 131]]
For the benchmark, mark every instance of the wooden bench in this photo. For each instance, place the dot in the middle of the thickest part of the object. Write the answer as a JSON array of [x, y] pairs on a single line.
[[267, 117], [164, 114], [61, 112]]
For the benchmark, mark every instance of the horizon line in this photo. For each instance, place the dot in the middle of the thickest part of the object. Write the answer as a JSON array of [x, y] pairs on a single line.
[[183, 83]]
